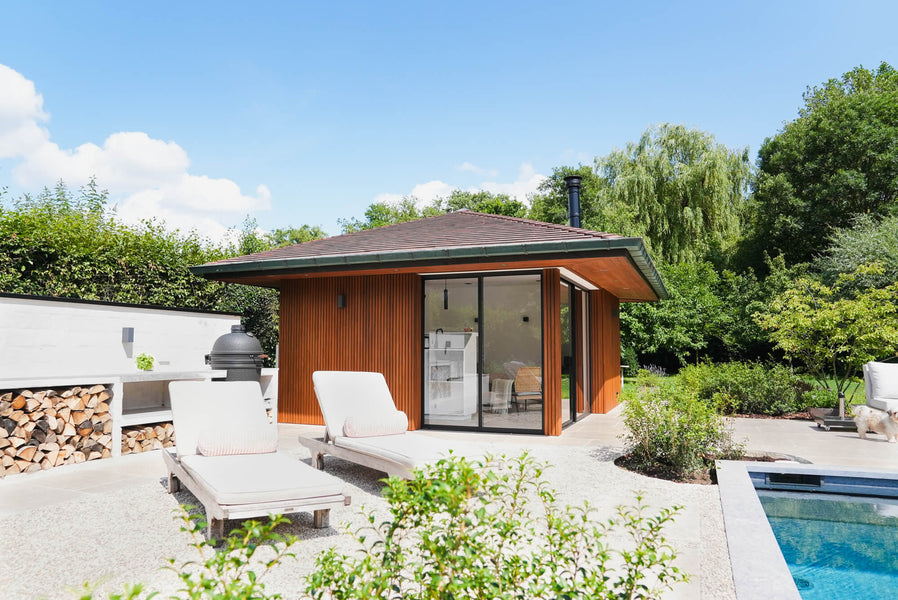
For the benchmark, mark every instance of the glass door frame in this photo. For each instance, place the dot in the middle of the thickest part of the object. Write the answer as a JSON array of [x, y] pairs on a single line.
[[480, 276], [573, 307]]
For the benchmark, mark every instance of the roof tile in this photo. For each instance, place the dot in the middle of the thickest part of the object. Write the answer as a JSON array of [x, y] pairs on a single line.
[[458, 229]]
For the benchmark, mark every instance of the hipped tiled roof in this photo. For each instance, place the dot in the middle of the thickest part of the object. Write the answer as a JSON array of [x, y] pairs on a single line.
[[453, 239], [450, 230]]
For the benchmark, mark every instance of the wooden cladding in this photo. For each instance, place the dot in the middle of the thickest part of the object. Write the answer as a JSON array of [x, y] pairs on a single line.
[[378, 329], [552, 351], [605, 375]]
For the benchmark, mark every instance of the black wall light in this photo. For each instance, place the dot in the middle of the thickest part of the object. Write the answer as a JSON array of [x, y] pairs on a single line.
[[445, 295], [341, 300]]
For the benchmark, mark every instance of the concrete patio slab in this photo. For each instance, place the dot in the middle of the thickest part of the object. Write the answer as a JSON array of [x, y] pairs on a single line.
[[124, 501]]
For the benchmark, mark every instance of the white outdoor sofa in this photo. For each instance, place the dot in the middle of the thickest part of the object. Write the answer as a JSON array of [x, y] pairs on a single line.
[[363, 426], [881, 385], [226, 455]]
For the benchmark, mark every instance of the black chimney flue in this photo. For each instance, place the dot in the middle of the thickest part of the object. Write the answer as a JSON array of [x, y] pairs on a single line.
[[573, 199]]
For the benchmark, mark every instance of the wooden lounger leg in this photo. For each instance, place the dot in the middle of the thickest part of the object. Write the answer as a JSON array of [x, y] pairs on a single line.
[[318, 460], [174, 484], [215, 529], [321, 518]]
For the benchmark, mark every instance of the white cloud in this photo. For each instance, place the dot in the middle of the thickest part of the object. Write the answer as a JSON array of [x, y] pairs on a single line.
[[146, 177], [522, 188], [471, 168], [525, 186]]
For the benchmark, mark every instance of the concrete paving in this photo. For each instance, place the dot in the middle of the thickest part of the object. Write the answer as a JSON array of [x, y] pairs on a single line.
[[30, 503]]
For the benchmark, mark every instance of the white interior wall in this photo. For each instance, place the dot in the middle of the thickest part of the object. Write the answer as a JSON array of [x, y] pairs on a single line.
[[41, 338]]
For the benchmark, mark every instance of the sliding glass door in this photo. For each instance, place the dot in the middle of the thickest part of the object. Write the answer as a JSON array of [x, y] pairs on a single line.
[[483, 352], [513, 352], [451, 352]]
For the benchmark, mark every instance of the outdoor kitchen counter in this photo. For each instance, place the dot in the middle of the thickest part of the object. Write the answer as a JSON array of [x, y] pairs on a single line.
[[140, 397]]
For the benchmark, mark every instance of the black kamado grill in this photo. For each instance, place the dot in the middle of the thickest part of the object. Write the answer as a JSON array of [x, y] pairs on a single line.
[[238, 352]]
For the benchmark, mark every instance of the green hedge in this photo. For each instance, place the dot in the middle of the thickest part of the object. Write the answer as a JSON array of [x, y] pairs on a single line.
[[747, 388]]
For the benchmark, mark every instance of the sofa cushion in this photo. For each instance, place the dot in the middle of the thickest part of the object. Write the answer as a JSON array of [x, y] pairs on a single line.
[[391, 422], [225, 441], [881, 380], [253, 478]]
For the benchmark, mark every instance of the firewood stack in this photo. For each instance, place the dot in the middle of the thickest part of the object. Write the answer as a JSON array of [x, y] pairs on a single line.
[[44, 429], [143, 438]]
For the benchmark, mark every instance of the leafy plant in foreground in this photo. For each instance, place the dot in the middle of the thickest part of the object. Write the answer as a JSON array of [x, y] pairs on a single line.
[[494, 530]]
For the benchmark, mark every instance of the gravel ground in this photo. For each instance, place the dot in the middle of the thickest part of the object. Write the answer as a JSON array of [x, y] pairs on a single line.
[[127, 535]]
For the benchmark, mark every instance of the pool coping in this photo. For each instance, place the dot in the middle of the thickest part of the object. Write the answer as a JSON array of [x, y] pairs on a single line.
[[759, 570]]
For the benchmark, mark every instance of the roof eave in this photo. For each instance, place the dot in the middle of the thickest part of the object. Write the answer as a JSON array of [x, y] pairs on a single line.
[[632, 245]]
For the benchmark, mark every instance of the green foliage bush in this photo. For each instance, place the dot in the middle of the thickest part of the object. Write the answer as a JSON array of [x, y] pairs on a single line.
[[821, 398], [747, 388], [460, 530], [670, 429]]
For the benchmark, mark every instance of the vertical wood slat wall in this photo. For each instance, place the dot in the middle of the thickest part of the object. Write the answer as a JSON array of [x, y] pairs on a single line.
[[552, 351], [378, 330], [605, 375]]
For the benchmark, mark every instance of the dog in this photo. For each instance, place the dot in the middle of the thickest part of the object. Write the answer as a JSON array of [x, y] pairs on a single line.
[[868, 419]]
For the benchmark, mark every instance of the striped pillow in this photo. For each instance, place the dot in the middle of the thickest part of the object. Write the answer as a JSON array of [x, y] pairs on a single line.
[[391, 423], [260, 439]]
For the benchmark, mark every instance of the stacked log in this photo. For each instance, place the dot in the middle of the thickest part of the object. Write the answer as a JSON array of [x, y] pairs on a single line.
[[143, 438], [43, 429]]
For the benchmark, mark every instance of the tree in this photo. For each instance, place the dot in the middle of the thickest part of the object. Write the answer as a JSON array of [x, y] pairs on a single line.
[[834, 330], [681, 326], [550, 202], [379, 214], [837, 160], [677, 188], [482, 201], [867, 240], [290, 236]]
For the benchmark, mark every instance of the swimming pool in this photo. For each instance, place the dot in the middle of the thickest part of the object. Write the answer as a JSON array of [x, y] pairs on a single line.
[[833, 543], [836, 546]]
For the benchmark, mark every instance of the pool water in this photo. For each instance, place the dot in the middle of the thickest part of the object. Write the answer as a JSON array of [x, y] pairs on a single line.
[[837, 547]]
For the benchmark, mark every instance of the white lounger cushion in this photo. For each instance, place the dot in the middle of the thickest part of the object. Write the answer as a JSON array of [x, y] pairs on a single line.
[[410, 449], [881, 382], [390, 423], [345, 394], [202, 406], [256, 478], [238, 439]]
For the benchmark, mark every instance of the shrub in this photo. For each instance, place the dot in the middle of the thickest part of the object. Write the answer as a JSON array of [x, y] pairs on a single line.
[[670, 429], [821, 398], [747, 388], [460, 530]]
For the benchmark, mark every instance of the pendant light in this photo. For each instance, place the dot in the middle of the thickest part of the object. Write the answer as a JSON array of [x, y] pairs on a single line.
[[445, 295]]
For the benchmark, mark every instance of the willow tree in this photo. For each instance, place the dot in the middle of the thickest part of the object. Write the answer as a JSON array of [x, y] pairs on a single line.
[[677, 188]]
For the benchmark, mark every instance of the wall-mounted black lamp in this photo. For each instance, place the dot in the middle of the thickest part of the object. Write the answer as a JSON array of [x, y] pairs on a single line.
[[341, 300], [445, 296], [526, 319]]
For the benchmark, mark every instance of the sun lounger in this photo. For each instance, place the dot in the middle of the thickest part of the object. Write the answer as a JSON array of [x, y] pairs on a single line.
[[363, 426], [226, 455]]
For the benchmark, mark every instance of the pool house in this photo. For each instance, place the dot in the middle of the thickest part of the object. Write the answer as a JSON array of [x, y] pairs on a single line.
[[478, 322]]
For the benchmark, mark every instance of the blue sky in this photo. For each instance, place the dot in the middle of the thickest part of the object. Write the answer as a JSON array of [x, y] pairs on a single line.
[[202, 113]]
